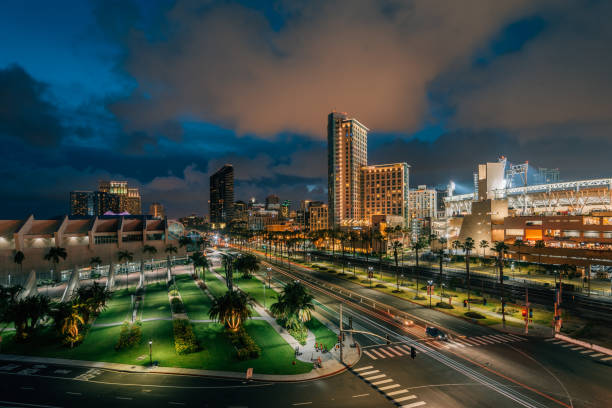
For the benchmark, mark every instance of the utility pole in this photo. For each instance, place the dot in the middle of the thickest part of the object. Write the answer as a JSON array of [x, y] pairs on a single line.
[[527, 310]]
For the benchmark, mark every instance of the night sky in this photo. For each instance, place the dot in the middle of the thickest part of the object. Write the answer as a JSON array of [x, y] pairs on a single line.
[[162, 93]]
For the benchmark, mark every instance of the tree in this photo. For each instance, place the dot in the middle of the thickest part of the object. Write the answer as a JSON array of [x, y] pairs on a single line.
[[518, 243], [26, 315], [8, 297], [484, 244], [54, 256], [353, 238], [185, 241], [539, 245], [417, 246], [126, 256], [500, 247], [92, 300], [294, 305], [228, 264], [247, 264], [199, 260], [468, 246], [18, 259], [440, 254], [68, 321], [456, 244], [395, 246], [231, 309], [170, 249]]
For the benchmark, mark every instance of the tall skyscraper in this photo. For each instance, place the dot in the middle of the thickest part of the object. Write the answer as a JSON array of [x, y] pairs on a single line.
[[129, 197], [82, 203], [347, 152], [222, 195], [272, 202], [385, 191], [423, 203], [157, 210]]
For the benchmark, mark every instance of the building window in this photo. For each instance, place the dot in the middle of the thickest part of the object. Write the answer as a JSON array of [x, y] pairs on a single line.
[[105, 239], [590, 220], [132, 238], [571, 233]]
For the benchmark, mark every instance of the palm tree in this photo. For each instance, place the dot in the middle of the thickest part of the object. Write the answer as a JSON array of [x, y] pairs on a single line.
[[353, 238], [184, 242], [294, 304], [417, 246], [26, 315], [440, 254], [71, 324], [228, 263], [484, 244], [54, 256], [18, 259], [199, 261], [395, 246], [95, 262], [539, 245], [500, 247], [126, 256], [231, 309], [92, 300], [247, 264], [456, 245], [468, 246], [170, 249]]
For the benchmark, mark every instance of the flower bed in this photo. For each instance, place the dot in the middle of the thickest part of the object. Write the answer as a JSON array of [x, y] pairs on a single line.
[[130, 335], [185, 341], [245, 346]]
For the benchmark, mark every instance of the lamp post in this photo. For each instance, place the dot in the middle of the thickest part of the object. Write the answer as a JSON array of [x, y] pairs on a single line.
[[268, 275], [151, 353], [264, 287], [429, 289], [370, 274]]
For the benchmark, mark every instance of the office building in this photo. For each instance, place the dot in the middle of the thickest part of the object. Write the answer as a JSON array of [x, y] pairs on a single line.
[[318, 217], [347, 153], [272, 202], [384, 191], [423, 202], [156, 210], [222, 196], [129, 200], [284, 209], [82, 203]]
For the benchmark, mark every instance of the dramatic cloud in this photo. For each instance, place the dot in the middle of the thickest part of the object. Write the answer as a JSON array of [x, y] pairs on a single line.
[[226, 64], [24, 112]]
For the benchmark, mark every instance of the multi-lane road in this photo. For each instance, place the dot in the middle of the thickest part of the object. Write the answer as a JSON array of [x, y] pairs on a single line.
[[477, 367]]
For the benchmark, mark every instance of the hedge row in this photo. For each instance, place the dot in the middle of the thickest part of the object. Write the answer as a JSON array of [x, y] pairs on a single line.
[[243, 343], [185, 341], [129, 336], [177, 305]]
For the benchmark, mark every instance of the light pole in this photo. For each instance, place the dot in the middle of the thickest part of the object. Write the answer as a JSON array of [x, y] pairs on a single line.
[[429, 289], [264, 287], [370, 274], [151, 353], [269, 280]]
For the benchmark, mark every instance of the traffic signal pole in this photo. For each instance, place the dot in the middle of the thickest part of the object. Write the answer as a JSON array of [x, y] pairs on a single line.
[[526, 310]]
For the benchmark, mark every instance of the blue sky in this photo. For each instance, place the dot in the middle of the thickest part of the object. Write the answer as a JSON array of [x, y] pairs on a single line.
[[162, 93]]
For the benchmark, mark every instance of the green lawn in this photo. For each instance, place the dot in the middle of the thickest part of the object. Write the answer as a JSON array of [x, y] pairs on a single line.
[[214, 285], [322, 333], [118, 309], [156, 303], [254, 287], [197, 303]]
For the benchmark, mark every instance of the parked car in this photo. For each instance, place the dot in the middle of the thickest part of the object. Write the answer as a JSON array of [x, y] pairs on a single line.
[[436, 333]]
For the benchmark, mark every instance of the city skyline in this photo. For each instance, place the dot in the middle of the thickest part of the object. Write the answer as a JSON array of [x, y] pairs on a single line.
[[93, 110]]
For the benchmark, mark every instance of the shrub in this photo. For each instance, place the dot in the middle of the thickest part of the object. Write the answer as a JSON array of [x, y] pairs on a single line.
[[381, 286], [365, 281], [300, 334], [353, 277], [177, 305], [243, 343], [420, 298], [444, 305], [185, 341], [130, 335], [474, 315]]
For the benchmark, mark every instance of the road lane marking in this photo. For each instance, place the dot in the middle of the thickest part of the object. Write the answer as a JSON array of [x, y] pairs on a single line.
[[9, 367], [414, 404], [471, 342], [462, 341], [369, 373], [386, 352], [577, 348], [388, 387], [378, 354], [477, 341], [375, 377], [362, 368], [558, 342], [370, 355], [393, 349], [597, 355], [175, 403], [124, 398], [587, 351], [302, 403], [27, 388], [396, 392], [400, 399], [360, 395], [388, 380], [25, 404], [516, 337], [567, 345], [487, 339]]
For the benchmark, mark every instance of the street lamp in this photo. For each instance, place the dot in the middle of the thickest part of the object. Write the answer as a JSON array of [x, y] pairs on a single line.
[[429, 289], [151, 353], [268, 275], [370, 274], [264, 288]]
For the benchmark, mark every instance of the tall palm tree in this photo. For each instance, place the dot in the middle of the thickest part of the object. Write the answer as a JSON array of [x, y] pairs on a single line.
[[484, 244], [18, 259], [170, 249], [353, 238], [395, 246], [92, 300], [126, 256], [228, 264], [231, 309], [199, 261], [468, 246], [539, 245], [378, 237], [71, 325], [294, 305], [54, 256], [500, 247], [416, 247], [456, 244], [247, 264]]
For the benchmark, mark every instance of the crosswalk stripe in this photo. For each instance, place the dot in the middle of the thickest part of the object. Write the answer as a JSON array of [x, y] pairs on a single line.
[[597, 355], [400, 399], [388, 387], [414, 404], [577, 348], [362, 368], [370, 355], [388, 380], [587, 351], [567, 345], [558, 342], [606, 359], [551, 339], [471, 342], [393, 350], [369, 373], [378, 354], [396, 392], [505, 338], [386, 352], [375, 377], [462, 341], [399, 350], [477, 341], [405, 348], [486, 340], [516, 337]]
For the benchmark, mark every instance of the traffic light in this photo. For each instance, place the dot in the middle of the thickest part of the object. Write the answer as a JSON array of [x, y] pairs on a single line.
[[530, 313], [412, 352], [524, 311]]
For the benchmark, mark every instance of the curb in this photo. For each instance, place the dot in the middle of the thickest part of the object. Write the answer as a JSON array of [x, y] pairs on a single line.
[[584, 344]]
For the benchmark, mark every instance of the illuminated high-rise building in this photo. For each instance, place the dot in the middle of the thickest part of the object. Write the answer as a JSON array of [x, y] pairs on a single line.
[[129, 197], [157, 210], [82, 203], [423, 203], [347, 153], [222, 195], [385, 191]]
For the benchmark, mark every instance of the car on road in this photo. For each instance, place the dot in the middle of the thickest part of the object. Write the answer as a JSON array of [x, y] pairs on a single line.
[[436, 333]]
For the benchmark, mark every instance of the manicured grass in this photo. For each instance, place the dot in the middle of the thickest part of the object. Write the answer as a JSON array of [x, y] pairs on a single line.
[[156, 303], [118, 309], [197, 303], [215, 286], [322, 333], [254, 287]]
